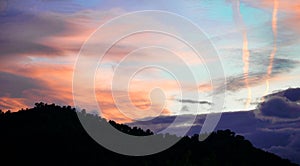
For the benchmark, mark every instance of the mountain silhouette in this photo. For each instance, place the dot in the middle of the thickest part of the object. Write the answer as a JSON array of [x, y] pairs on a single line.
[[49, 134]]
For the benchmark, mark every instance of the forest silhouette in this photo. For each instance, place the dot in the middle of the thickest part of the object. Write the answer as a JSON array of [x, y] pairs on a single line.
[[49, 134]]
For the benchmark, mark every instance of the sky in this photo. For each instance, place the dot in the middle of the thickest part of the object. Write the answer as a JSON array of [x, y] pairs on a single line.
[[40, 41]]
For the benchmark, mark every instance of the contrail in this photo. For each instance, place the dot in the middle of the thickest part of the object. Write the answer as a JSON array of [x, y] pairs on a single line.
[[246, 54], [274, 29]]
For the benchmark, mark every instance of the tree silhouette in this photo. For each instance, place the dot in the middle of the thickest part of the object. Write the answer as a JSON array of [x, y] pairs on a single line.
[[49, 134]]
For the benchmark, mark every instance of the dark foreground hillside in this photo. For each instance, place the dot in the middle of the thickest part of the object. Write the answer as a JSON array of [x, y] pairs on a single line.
[[52, 135]]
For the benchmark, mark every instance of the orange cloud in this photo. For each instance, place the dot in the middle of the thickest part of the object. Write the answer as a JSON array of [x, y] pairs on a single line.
[[57, 88], [56, 80], [205, 87], [140, 100], [12, 104], [52, 65]]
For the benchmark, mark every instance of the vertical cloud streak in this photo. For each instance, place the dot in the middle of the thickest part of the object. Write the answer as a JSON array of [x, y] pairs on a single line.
[[246, 54], [274, 29]]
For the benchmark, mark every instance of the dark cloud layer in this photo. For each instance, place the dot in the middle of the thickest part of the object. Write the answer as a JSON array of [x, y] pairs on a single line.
[[292, 94], [274, 137], [280, 107], [279, 137]]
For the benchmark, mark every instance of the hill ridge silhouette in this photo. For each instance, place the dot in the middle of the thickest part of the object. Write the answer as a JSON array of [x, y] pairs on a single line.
[[49, 134]]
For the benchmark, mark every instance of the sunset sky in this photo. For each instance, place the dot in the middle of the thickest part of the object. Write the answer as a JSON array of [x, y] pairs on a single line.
[[257, 42]]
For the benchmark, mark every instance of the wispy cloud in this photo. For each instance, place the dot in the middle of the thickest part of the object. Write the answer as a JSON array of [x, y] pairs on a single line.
[[272, 55], [193, 101], [237, 82]]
